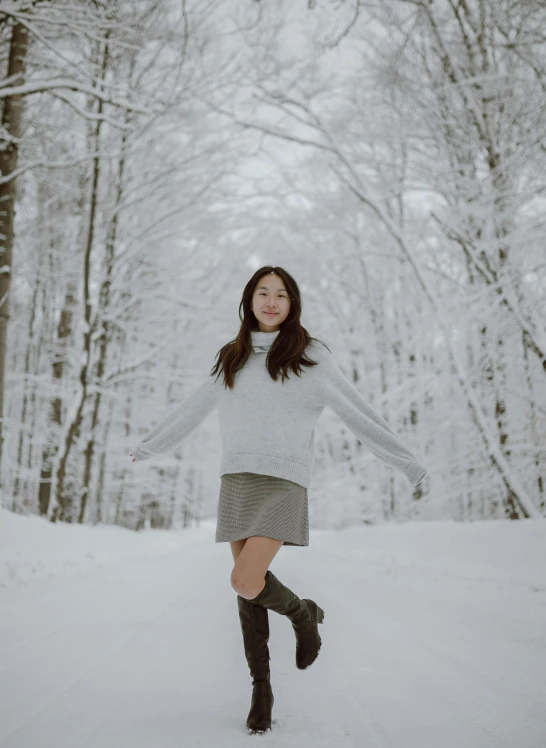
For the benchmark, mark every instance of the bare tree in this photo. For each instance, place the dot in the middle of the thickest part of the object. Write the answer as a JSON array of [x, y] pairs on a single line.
[[9, 150]]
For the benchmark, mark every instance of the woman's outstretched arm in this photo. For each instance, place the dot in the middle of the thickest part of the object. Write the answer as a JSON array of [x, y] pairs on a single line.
[[174, 428], [365, 423]]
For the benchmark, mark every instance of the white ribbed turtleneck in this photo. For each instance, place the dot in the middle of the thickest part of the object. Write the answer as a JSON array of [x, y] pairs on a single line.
[[262, 341]]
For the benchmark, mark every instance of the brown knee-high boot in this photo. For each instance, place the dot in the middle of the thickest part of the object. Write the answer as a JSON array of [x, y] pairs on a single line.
[[305, 615], [255, 627]]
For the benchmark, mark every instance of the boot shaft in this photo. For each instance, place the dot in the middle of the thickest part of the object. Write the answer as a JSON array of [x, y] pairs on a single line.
[[255, 629], [276, 596]]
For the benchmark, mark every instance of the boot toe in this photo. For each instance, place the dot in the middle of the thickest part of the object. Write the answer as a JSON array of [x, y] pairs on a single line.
[[259, 717], [308, 648]]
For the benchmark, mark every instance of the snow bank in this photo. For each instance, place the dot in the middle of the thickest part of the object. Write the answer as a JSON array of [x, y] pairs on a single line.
[[32, 547], [500, 552]]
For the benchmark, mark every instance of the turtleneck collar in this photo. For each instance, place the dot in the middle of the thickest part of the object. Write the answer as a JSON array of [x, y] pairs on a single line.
[[262, 341]]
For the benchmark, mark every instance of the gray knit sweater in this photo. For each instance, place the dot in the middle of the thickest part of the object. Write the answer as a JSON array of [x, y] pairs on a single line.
[[268, 427]]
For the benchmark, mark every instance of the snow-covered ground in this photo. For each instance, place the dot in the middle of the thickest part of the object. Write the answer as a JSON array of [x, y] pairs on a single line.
[[434, 637]]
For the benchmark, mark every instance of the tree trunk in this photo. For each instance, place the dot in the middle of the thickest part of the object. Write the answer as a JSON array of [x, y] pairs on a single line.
[[24, 409], [104, 339], [64, 333], [534, 432], [9, 145], [64, 509]]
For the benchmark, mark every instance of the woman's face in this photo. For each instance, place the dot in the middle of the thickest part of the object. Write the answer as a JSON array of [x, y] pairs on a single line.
[[270, 295]]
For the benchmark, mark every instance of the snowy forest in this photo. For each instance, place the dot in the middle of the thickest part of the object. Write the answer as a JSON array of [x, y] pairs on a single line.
[[390, 155]]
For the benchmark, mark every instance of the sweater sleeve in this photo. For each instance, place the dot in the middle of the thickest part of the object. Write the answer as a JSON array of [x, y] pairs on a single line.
[[365, 423], [174, 428]]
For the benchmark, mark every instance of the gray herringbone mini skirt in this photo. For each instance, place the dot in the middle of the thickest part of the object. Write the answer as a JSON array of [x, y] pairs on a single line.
[[252, 504]]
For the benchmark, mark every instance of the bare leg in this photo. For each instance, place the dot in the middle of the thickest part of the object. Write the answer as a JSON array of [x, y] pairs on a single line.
[[248, 574], [236, 547]]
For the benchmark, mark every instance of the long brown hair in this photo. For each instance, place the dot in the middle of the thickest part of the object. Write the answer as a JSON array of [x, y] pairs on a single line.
[[287, 350]]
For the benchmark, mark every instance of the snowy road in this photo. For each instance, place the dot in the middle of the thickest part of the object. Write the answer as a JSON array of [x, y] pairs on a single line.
[[148, 652]]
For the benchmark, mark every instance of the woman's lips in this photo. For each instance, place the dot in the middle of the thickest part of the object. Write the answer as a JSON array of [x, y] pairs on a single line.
[[271, 314]]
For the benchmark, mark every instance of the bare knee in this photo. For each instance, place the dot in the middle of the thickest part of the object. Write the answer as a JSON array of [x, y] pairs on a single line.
[[247, 584], [248, 574]]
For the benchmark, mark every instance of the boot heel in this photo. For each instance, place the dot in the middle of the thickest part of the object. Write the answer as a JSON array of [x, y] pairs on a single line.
[[317, 614]]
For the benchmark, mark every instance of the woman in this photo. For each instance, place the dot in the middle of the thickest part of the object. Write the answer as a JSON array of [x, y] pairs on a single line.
[[267, 425]]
